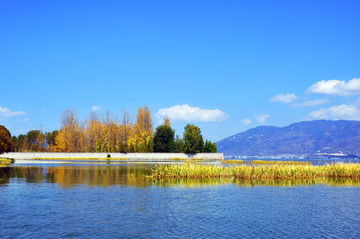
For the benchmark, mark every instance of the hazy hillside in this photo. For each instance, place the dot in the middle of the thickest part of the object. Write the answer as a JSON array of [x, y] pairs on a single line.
[[306, 137]]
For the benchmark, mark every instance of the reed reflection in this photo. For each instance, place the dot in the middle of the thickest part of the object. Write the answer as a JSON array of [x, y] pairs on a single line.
[[135, 175], [258, 182]]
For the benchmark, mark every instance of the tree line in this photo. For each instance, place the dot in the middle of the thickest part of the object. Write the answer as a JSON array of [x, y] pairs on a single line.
[[109, 135]]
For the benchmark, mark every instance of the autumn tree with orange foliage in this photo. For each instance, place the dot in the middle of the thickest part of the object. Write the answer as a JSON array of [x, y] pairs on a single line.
[[71, 135], [106, 135], [111, 135], [50, 138], [93, 133], [141, 138], [124, 131], [5, 140]]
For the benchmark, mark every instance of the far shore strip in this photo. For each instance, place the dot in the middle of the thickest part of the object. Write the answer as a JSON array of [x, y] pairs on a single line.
[[116, 156]]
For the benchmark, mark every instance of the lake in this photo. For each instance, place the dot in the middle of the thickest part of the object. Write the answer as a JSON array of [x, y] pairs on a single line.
[[83, 200]]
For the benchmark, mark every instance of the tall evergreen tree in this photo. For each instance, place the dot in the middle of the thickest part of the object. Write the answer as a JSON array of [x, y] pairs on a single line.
[[210, 147], [193, 140], [164, 139]]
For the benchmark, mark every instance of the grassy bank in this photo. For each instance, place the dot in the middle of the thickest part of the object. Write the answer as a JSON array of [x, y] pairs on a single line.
[[193, 170], [6, 161]]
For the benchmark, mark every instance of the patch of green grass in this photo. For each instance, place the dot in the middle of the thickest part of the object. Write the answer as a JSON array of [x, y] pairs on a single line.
[[6, 161]]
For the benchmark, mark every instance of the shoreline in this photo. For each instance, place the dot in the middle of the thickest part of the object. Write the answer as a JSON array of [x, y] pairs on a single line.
[[80, 162], [115, 157]]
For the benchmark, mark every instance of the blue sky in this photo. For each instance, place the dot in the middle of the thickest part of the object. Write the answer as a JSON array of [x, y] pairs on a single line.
[[225, 66]]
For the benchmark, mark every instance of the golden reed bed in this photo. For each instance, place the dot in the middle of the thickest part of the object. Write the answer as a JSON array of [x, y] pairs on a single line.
[[193, 170]]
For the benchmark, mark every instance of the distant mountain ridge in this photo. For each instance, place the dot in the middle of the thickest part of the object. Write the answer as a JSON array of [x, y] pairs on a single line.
[[307, 137]]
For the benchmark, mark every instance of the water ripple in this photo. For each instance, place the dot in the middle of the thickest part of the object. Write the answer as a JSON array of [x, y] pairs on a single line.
[[47, 209]]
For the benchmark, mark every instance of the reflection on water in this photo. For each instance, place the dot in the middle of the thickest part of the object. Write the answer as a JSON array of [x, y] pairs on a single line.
[[260, 182], [136, 175], [83, 201], [66, 176]]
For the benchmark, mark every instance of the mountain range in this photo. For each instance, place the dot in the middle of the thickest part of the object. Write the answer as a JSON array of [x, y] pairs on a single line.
[[307, 137]]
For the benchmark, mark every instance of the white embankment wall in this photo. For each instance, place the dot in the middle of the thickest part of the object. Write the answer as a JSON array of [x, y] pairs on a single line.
[[154, 157]]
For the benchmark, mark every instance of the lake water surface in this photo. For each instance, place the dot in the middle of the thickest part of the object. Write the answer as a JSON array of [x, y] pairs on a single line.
[[117, 200]]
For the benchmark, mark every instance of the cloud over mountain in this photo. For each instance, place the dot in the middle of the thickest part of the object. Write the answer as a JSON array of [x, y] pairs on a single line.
[[336, 87], [345, 111], [261, 119], [246, 121]]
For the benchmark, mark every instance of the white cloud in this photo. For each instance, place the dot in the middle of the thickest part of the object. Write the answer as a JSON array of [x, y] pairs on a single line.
[[345, 112], [261, 119], [284, 98], [310, 103], [5, 112], [193, 114], [246, 121], [25, 120], [95, 108], [336, 87]]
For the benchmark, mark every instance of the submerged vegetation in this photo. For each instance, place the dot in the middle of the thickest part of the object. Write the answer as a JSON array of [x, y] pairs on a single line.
[[193, 170]]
